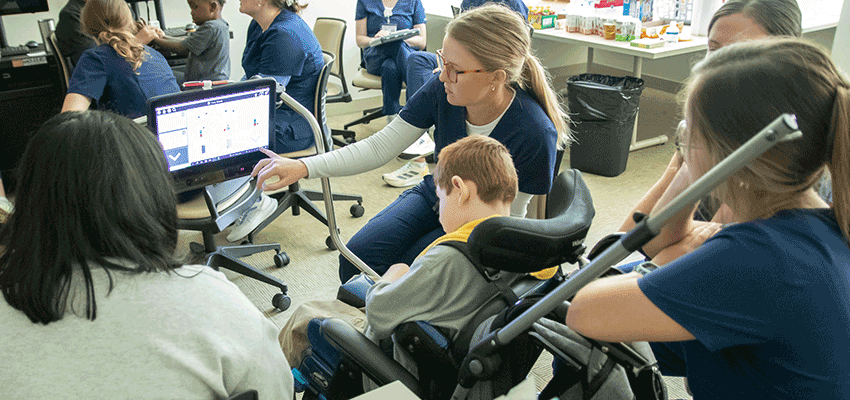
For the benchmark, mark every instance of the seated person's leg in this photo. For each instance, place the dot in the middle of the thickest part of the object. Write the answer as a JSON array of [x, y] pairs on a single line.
[[391, 80], [390, 236], [420, 69]]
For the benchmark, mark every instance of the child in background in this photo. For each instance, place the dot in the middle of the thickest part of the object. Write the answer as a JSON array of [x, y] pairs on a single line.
[[208, 46]]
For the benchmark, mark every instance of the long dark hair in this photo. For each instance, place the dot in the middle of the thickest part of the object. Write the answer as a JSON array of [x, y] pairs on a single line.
[[94, 192]]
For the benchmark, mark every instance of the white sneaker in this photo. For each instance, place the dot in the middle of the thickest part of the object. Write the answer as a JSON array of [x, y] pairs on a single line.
[[252, 218], [408, 175], [422, 147]]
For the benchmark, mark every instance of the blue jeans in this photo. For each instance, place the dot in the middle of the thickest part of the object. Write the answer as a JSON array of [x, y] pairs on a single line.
[[420, 69], [398, 233], [389, 61]]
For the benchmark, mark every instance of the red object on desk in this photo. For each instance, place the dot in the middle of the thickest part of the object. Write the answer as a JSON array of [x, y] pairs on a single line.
[[201, 83], [608, 3]]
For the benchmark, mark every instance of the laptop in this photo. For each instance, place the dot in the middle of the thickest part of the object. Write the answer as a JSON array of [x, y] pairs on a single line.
[[211, 136]]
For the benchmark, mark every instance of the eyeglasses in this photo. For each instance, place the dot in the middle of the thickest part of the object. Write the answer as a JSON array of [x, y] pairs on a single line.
[[450, 71]]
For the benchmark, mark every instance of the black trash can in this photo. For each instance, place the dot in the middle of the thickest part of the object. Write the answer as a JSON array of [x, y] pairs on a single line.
[[603, 110]]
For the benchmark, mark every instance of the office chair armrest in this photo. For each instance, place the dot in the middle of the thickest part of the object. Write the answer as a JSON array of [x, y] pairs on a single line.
[[366, 355]]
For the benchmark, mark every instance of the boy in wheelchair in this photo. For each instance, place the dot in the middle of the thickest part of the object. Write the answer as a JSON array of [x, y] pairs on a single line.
[[476, 180]]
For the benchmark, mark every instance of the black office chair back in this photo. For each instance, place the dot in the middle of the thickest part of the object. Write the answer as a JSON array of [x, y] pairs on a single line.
[[320, 99]]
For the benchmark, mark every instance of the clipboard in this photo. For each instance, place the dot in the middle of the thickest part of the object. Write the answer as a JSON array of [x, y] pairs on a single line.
[[392, 37]]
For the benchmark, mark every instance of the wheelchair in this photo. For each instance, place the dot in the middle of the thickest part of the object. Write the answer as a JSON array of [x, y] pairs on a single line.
[[340, 355]]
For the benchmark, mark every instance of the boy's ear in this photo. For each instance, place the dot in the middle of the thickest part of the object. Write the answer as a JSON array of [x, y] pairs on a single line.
[[462, 188]]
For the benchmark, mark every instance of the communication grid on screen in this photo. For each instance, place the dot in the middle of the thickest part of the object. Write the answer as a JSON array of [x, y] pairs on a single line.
[[211, 136], [212, 129]]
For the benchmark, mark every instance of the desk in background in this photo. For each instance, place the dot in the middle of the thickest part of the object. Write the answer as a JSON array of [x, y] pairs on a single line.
[[30, 93]]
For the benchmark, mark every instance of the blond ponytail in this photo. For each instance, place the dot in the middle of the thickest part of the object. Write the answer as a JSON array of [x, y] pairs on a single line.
[[537, 81], [839, 164], [125, 45], [499, 39], [111, 23]]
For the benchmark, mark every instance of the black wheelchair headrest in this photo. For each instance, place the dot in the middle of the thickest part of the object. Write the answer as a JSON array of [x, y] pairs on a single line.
[[528, 245]]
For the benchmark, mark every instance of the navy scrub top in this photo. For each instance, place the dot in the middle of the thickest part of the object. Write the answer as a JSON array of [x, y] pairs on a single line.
[[290, 53], [109, 80], [524, 129]]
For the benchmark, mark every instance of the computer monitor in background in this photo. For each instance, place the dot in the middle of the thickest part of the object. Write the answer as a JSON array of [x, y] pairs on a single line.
[[211, 136], [12, 7]]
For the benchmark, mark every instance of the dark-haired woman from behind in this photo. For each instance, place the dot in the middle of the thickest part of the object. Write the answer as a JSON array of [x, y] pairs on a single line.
[[121, 73], [95, 303]]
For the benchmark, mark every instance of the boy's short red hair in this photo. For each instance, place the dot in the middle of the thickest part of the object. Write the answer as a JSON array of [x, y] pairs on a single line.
[[482, 160]]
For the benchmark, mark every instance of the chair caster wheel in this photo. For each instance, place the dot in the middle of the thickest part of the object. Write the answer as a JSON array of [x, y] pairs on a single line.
[[197, 248], [281, 260], [330, 243], [281, 301], [357, 210]]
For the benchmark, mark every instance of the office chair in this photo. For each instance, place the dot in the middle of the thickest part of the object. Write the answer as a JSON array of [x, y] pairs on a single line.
[[366, 81], [64, 62], [296, 198], [331, 34], [210, 214]]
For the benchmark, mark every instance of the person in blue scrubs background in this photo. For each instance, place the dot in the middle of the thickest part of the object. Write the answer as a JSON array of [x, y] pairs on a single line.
[[378, 18], [122, 73], [280, 45]]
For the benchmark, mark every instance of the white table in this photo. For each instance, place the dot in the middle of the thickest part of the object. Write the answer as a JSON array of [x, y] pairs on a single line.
[[696, 44], [593, 42]]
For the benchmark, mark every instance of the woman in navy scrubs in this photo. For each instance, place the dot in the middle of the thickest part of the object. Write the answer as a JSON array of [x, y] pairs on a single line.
[[378, 18], [490, 85], [280, 45], [122, 73]]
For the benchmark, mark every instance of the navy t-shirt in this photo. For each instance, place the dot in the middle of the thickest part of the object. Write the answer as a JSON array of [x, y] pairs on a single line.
[[524, 129], [109, 80], [769, 304], [289, 52]]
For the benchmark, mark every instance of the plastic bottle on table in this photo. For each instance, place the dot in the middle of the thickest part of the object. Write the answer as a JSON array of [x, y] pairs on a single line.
[[672, 34]]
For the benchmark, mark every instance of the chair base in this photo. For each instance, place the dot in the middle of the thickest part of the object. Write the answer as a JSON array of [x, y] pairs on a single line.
[[227, 257], [347, 137], [368, 116], [296, 199]]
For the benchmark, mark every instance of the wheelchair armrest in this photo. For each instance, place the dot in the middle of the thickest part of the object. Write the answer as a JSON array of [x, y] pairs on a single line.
[[366, 355], [604, 243], [422, 339], [353, 292]]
